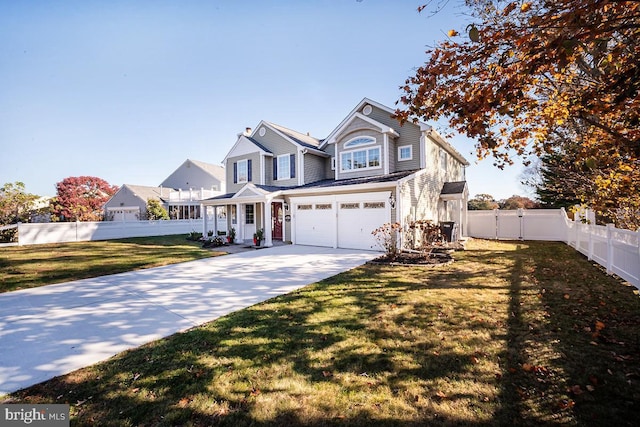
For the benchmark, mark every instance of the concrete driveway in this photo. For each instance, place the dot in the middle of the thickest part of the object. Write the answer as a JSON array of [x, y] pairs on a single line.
[[56, 329]]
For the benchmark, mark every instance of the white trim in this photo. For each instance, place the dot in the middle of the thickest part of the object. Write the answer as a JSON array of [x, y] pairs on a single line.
[[385, 144], [262, 170], [410, 147], [300, 171], [242, 147], [382, 128]]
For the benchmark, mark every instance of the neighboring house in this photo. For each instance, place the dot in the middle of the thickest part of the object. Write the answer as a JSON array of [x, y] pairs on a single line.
[[334, 192], [129, 203], [180, 193]]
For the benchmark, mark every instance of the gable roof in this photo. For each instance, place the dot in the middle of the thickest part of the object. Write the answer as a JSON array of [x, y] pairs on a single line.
[[352, 112], [145, 192], [299, 138], [243, 142], [216, 171], [331, 139]]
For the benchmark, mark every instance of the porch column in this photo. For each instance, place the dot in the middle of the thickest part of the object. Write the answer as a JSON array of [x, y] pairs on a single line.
[[215, 221], [268, 241], [205, 221], [239, 223]]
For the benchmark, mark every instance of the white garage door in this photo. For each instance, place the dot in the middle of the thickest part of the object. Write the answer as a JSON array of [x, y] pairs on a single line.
[[356, 221], [318, 224], [314, 224]]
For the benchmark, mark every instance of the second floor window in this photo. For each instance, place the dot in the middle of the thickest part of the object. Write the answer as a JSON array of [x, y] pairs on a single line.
[[284, 170], [284, 167], [360, 159], [242, 171], [405, 152]]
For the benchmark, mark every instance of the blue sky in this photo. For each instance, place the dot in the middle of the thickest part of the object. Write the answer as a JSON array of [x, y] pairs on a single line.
[[128, 90]]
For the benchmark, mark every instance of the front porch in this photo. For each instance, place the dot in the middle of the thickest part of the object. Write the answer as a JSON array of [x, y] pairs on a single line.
[[248, 213]]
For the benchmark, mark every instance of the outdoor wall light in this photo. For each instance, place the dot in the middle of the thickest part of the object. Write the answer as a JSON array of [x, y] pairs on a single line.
[[392, 201], [286, 206]]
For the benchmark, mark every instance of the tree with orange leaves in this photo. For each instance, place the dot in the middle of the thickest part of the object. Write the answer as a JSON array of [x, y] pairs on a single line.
[[546, 76]]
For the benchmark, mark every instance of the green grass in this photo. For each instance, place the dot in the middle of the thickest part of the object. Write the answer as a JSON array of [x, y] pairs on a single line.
[[24, 267], [512, 333]]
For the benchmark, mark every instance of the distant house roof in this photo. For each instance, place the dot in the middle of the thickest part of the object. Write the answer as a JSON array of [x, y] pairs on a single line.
[[453, 187], [147, 193], [216, 171], [143, 192]]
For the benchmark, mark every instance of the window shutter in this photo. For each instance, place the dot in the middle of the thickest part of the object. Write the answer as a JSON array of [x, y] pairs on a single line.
[[235, 172], [292, 163], [275, 168], [249, 170]]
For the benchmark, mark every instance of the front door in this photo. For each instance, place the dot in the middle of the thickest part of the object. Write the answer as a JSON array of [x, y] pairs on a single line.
[[277, 215]]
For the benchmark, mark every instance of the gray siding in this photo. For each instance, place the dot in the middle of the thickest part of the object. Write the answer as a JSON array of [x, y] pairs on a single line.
[[409, 135], [314, 168], [328, 172], [255, 171], [191, 176], [391, 155], [278, 145], [366, 172]]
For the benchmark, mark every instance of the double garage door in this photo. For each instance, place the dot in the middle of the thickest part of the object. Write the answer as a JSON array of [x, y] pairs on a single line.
[[340, 221]]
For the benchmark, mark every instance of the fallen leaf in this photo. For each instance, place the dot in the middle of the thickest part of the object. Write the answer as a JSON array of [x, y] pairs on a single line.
[[527, 367], [475, 360], [326, 374], [441, 395], [567, 296], [590, 387], [599, 325], [566, 404], [576, 390]]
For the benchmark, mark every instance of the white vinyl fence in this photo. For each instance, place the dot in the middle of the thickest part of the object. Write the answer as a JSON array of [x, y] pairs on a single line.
[[59, 232], [615, 249]]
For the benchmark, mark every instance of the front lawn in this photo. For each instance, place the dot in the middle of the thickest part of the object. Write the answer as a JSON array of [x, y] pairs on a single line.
[[31, 266], [512, 333]]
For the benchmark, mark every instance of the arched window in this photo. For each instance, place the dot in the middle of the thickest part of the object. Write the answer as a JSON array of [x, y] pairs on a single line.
[[360, 140]]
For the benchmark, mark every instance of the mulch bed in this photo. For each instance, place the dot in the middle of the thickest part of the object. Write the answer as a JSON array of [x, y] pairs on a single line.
[[405, 258]]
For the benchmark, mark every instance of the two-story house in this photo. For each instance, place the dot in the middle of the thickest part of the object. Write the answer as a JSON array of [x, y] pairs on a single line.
[[334, 192], [180, 193]]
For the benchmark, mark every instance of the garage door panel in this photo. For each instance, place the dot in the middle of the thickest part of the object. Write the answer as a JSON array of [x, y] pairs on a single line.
[[314, 226], [357, 220]]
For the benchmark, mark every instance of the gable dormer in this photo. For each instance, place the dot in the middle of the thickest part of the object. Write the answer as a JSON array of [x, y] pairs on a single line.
[[245, 163], [363, 146]]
